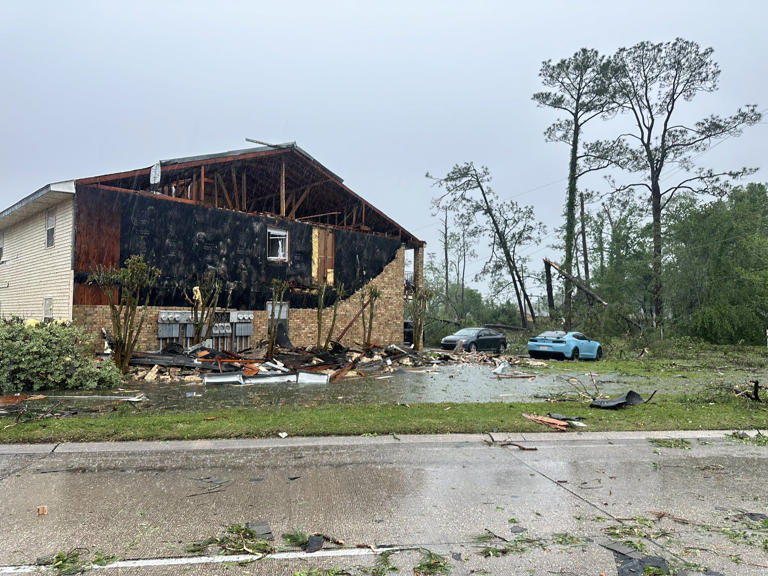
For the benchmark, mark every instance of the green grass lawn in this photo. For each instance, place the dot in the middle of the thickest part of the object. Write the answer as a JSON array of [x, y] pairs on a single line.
[[674, 408], [127, 423]]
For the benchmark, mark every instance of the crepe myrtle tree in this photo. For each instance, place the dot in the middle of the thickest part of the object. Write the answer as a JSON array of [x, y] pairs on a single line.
[[650, 83], [127, 291]]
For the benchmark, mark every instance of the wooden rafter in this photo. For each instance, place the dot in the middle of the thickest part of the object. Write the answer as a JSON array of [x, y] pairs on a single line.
[[220, 182], [235, 193], [318, 215], [242, 187], [282, 187], [202, 183], [299, 202]]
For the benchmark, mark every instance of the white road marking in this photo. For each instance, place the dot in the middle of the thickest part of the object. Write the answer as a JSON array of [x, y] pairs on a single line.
[[190, 560]]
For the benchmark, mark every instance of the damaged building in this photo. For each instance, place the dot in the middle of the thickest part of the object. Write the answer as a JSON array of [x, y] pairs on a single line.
[[248, 216]]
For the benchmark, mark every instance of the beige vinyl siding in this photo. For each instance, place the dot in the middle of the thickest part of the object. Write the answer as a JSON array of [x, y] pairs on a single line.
[[31, 272]]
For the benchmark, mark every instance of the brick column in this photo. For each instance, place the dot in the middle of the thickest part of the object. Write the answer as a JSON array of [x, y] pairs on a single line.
[[418, 265]]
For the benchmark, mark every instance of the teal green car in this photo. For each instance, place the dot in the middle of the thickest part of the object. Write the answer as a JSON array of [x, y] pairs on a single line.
[[564, 345]]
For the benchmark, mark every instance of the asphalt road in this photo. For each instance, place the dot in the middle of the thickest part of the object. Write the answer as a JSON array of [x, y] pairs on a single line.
[[548, 511]]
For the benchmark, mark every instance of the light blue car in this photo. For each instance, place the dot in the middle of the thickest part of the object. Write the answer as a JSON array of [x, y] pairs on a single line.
[[567, 345]]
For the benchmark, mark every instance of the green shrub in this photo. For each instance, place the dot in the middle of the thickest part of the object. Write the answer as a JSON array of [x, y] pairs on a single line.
[[49, 356]]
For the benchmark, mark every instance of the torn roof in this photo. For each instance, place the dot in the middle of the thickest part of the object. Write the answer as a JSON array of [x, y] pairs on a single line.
[[281, 180]]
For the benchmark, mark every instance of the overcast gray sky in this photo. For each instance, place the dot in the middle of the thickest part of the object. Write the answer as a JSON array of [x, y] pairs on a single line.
[[379, 92]]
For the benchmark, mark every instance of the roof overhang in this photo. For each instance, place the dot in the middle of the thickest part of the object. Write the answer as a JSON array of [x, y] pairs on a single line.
[[40, 200]]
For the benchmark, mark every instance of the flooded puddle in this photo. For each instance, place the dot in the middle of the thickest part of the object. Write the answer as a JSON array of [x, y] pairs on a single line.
[[455, 383]]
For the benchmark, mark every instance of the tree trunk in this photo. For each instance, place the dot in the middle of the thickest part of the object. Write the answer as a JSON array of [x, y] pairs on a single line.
[[584, 241], [445, 255], [463, 252], [570, 222], [505, 248], [525, 295], [550, 295], [658, 304]]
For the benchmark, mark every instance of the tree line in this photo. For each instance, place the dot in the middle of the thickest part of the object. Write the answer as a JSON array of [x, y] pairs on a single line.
[[671, 244]]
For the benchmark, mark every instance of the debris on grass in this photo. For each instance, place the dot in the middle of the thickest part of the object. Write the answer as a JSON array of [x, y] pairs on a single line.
[[559, 425], [629, 398]]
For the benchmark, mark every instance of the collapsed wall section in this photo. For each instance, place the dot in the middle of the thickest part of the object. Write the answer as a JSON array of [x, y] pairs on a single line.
[[302, 322], [246, 251]]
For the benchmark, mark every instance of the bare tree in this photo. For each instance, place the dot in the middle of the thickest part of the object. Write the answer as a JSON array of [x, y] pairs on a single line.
[[467, 189]]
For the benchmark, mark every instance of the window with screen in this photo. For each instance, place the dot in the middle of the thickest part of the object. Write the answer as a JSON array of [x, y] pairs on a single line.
[[50, 226], [47, 309]]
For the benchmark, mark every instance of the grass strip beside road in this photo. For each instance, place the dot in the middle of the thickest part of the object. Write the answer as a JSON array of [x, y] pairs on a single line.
[[127, 423]]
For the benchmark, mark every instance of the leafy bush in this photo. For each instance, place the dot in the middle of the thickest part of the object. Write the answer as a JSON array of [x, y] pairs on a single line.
[[727, 324], [37, 357]]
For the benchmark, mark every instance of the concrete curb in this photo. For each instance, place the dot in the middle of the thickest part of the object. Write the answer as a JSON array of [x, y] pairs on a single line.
[[341, 441]]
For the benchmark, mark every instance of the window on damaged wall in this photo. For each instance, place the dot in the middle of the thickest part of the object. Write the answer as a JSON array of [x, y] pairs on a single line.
[[277, 245], [50, 225]]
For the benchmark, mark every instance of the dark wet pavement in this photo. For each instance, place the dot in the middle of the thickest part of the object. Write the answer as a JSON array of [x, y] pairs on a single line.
[[576, 492]]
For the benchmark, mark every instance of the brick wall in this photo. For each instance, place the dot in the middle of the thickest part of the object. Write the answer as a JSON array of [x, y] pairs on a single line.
[[302, 323]]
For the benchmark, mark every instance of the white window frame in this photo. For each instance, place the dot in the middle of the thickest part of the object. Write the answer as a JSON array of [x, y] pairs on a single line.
[[47, 309], [277, 233], [2, 244], [50, 227]]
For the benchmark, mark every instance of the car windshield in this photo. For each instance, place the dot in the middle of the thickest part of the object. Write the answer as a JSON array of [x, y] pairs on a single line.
[[552, 334], [467, 332]]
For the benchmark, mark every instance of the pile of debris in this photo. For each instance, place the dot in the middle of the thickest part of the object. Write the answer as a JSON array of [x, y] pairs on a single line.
[[289, 365], [204, 364]]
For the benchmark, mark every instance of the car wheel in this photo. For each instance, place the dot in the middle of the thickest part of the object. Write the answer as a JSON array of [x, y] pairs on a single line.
[[575, 354], [502, 347], [472, 347], [599, 353]]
